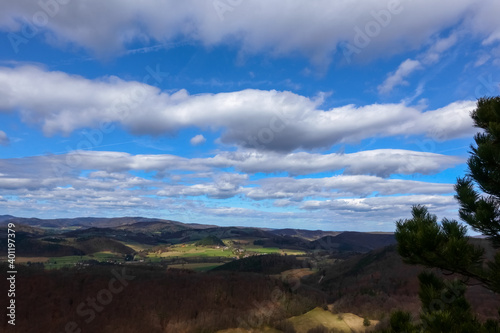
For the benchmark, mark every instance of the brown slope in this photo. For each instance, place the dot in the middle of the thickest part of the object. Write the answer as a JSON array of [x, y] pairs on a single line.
[[377, 283]]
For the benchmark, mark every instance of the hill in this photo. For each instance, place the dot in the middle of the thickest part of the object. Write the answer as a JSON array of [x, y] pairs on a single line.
[[303, 233], [210, 240], [353, 242], [6, 217], [153, 300], [88, 222], [378, 282], [190, 235], [117, 234], [29, 247], [101, 244], [154, 227]]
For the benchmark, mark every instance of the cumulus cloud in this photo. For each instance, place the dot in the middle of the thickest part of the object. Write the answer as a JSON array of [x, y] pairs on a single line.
[[123, 191], [112, 170], [380, 203], [4, 139], [220, 186], [379, 162], [88, 182], [259, 119], [287, 190], [398, 77], [197, 140], [314, 29]]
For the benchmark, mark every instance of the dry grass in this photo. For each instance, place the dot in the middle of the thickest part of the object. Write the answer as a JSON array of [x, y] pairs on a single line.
[[345, 322]]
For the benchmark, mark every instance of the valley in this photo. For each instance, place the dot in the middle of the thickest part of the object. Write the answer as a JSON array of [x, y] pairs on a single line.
[[196, 278]]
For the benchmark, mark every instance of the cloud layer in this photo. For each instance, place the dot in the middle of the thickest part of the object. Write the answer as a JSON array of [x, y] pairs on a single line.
[[379, 162], [315, 29], [97, 181], [259, 119]]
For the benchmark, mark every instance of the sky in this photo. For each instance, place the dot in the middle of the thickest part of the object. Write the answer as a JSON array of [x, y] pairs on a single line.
[[320, 114]]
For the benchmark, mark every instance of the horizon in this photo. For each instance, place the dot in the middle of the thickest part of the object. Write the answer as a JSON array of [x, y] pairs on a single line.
[[215, 225], [471, 233], [334, 117]]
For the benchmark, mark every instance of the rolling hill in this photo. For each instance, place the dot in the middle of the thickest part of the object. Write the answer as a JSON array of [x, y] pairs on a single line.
[[303, 233], [378, 282], [353, 242], [88, 222]]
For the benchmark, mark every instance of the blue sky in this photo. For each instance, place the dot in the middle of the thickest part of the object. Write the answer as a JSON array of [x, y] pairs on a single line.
[[322, 114]]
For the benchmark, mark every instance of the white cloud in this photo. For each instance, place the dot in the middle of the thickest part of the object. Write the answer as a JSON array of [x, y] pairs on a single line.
[[433, 54], [482, 59], [260, 119], [380, 203], [89, 182], [121, 192], [4, 139], [380, 162], [287, 190], [407, 67], [110, 171], [197, 140], [398, 77], [312, 28]]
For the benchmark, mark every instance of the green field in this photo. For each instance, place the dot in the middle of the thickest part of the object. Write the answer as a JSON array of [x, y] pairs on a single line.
[[199, 258], [270, 250], [190, 250], [70, 261]]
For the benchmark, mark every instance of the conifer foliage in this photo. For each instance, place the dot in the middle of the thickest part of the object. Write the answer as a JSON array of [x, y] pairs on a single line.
[[422, 240]]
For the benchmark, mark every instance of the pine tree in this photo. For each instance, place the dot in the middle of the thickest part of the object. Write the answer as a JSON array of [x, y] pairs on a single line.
[[422, 240], [482, 210]]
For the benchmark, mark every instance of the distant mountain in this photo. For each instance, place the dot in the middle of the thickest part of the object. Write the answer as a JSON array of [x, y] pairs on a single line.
[[353, 242], [35, 242], [87, 222], [188, 235], [158, 226], [6, 217], [158, 231], [117, 234], [302, 233]]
